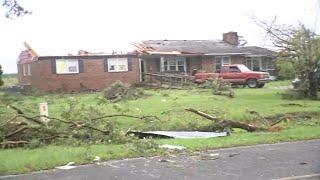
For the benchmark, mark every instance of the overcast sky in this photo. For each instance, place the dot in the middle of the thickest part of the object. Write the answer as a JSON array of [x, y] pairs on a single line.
[[59, 27]]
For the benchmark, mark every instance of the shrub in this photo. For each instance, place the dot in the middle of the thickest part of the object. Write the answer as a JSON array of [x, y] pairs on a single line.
[[285, 70], [293, 94], [120, 91], [144, 146]]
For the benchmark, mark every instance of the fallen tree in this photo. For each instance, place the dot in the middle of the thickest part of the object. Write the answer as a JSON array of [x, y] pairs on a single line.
[[22, 129], [220, 124]]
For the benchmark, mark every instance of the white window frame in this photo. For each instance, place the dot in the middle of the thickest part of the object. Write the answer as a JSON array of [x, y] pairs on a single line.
[[29, 69], [221, 59], [24, 69], [63, 66], [176, 60], [120, 64], [258, 59]]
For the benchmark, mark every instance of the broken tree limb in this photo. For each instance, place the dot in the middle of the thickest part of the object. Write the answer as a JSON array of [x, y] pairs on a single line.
[[222, 124], [5, 143], [19, 111], [224, 93], [237, 124], [124, 115], [16, 132], [22, 128], [76, 124], [205, 115]]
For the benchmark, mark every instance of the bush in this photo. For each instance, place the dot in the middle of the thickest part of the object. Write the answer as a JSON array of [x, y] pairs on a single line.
[[219, 87], [120, 91], [293, 94], [285, 70], [144, 146], [216, 85]]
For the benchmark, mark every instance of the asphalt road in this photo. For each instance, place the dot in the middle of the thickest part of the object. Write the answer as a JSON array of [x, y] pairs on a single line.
[[285, 161]]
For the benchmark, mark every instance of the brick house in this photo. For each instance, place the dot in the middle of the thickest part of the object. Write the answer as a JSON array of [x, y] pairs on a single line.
[[75, 73], [183, 56], [88, 71]]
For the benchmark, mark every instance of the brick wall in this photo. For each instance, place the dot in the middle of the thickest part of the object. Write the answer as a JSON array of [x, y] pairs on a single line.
[[231, 38], [208, 64], [94, 77], [24, 79], [195, 63], [238, 60]]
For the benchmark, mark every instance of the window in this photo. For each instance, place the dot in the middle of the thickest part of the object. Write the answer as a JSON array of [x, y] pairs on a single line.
[[234, 69], [254, 63], [249, 63], [222, 60], [117, 64], [29, 70], [225, 69], [26, 70], [67, 66], [173, 64]]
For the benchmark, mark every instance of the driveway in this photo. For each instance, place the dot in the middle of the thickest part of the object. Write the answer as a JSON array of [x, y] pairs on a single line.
[[285, 161]]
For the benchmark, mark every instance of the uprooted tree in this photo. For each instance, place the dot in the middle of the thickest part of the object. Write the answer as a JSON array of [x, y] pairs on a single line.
[[300, 46]]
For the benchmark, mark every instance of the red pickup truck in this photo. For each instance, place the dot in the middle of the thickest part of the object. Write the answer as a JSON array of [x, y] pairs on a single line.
[[237, 74]]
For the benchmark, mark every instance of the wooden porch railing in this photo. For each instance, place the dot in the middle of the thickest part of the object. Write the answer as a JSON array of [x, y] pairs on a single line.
[[172, 80]]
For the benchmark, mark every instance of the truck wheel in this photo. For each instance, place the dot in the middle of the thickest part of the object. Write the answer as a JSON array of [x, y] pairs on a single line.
[[260, 85], [252, 83]]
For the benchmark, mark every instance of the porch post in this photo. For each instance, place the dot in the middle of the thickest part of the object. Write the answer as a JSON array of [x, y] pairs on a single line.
[[161, 64]]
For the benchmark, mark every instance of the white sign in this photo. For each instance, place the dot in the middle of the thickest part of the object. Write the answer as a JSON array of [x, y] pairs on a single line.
[[43, 108]]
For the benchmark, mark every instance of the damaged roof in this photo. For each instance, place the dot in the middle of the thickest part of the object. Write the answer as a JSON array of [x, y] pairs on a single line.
[[201, 47]]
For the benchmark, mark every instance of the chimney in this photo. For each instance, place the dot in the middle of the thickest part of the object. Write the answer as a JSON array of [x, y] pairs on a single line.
[[231, 38]]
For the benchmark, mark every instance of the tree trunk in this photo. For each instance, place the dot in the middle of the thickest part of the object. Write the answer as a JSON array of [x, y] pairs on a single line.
[[313, 85]]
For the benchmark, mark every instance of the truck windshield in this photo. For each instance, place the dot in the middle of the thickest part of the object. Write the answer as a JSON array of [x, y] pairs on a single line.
[[243, 68]]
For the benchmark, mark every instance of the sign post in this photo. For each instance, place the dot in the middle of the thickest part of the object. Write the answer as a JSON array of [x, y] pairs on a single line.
[[44, 112]]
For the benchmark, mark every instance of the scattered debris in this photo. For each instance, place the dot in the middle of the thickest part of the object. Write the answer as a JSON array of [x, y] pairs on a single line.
[[229, 93], [234, 154], [276, 128], [68, 166], [96, 158], [288, 117], [292, 104], [303, 163], [166, 160], [252, 112], [177, 134], [210, 156], [168, 146]]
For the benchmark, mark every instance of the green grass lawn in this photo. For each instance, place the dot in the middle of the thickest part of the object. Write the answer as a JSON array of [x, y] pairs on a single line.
[[168, 106], [9, 80], [16, 161]]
